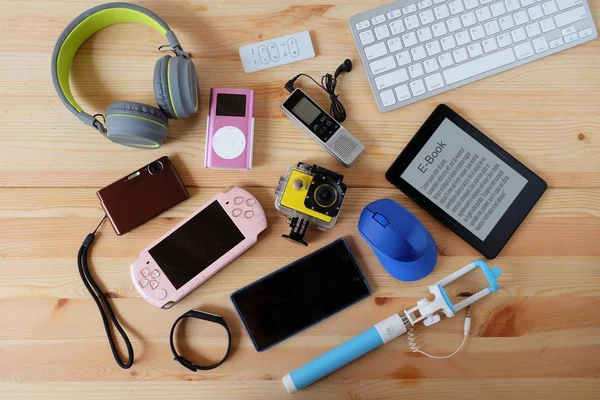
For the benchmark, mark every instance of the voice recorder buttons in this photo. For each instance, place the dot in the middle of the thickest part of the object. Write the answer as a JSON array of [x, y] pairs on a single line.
[[230, 129]]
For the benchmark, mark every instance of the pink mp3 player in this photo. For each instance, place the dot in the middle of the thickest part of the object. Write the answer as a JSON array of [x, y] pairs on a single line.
[[198, 247], [230, 129]]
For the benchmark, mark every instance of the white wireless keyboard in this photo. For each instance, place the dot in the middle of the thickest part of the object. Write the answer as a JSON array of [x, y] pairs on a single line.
[[412, 50]]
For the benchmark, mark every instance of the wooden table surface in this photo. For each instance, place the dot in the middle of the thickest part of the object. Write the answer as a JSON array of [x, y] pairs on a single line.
[[538, 337]]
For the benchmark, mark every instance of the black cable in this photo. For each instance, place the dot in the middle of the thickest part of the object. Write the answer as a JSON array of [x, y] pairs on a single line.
[[102, 302], [328, 84]]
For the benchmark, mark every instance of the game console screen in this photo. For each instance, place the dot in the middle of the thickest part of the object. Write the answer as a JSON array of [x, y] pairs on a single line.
[[231, 105], [196, 244]]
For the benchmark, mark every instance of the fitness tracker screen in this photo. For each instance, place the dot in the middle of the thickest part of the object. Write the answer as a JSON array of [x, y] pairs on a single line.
[[306, 111], [303, 293], [196, 244], [465, 179], [231, 105]]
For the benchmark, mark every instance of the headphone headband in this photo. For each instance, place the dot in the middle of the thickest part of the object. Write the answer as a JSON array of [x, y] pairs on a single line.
[[84, 26]]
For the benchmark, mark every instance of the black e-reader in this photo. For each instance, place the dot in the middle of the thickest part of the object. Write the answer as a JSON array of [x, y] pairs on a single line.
[[466, 181]]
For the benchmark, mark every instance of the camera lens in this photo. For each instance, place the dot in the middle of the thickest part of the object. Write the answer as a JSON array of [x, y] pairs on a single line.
[[155, 167], [325, 195]]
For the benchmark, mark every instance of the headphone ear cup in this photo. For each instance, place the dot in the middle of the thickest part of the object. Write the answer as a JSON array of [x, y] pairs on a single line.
[[176, 86], [136, 125]]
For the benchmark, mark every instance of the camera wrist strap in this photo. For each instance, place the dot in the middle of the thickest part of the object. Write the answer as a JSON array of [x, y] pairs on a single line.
[[102, 302], [217, 319]]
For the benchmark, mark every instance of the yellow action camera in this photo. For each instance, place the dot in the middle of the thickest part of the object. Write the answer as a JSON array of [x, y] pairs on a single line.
[[309, 196]]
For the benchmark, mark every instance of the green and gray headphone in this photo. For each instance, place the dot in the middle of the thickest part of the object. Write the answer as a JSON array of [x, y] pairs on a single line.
[[128, 123]]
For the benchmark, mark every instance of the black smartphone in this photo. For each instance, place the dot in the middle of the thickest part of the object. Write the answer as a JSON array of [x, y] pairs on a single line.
[[301, 294]]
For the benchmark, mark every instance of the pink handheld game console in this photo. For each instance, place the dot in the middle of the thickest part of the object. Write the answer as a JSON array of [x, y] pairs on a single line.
[[230, 129], [198, 247]]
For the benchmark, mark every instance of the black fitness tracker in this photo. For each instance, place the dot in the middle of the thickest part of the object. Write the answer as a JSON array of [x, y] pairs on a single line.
[[217, 319]]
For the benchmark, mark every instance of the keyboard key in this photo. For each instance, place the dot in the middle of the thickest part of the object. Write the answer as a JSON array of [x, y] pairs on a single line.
[[409, 39], [506, 22], [512, 5], [438, 1], [489, 45], [415, 70], [445, 60], [460, 55], [378, 19], [477, 32], [424, 34], [567, 18], [568, 31], [417, 87], [474, 50], [571, 38], [521, 17], [396, 27], [394, 44], [564, 4], [556, 42], [381, 32], [468, 19], [403, 58], [387, 98], [402, 93], [540, 44], [498, 9], [504, 40], [394, 14], [549, 7], [456, 7], [392, 78], [362, 25], [471, 4], [479, 66], [426, 17], [483, 2], [518, 35], [375, 51], [441, 12], [433, 48], [418, 53], [430, 65], [411, 8], [535, 12], [527, 3], [448, 42], [411, 22], [533, 29], [462, 38], [424, 4], [434, 81], [491, 28], [523, 50], [439, 29], [453, 24], [547, 25], [585, 33], [483, 14], [383, 65], [366, 37]]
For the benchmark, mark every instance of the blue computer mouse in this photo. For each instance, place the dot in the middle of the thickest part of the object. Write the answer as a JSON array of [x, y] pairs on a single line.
[[400, 241]]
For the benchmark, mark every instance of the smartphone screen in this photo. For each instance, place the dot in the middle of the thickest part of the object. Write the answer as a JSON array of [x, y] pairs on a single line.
[[197, 244], [297, 296]]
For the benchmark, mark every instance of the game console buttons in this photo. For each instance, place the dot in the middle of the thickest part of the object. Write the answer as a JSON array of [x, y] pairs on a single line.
[[236, 212], [248, 214], [153, 284], [145, 272], [161, 294], [144, 282], [250, 202], [238, 200]]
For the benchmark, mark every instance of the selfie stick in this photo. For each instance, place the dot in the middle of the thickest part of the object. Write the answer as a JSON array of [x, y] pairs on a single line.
[[391, 328]]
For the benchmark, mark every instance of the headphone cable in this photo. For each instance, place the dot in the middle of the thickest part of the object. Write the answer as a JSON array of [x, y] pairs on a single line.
[[328, 84]]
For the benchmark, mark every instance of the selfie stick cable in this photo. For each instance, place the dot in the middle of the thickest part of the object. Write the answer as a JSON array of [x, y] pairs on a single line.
[[101, 301]]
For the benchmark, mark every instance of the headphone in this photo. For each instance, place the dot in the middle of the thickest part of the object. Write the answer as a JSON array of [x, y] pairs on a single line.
[[128, 123]]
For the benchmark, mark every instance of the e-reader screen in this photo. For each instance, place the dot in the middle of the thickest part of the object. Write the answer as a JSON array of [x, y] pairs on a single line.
[[464, 179]]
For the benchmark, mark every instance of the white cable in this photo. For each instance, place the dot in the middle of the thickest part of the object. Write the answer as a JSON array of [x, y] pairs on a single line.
[[415, 349]]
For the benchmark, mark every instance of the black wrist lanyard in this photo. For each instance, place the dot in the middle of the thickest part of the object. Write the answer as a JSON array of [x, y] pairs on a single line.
[[217, 319], [102, 302]]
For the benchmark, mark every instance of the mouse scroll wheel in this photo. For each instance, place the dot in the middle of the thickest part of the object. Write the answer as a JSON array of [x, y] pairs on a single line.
[[381, 219]]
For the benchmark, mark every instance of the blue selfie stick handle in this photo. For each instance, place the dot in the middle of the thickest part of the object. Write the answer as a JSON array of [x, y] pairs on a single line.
[[386, 330]]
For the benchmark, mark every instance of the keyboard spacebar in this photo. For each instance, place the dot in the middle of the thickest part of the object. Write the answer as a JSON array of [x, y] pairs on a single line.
[[479, 66]]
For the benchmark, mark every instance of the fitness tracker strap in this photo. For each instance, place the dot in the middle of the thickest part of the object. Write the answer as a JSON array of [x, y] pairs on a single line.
[[217, 319]]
